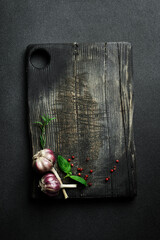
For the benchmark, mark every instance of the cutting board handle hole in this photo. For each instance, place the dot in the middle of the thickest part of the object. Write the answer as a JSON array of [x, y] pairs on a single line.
[[40, 58]]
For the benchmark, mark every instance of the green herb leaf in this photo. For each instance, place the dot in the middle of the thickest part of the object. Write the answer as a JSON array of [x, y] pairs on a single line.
[[43, 118], [52, 119], [39, 123], [64, 164], [43, 126], [79, 179]]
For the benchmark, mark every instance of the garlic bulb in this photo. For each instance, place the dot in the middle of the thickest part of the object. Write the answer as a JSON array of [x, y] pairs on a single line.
[[44, 160], [50, 185]]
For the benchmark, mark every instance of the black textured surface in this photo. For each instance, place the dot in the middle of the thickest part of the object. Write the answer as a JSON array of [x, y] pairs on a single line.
[[22, 23]]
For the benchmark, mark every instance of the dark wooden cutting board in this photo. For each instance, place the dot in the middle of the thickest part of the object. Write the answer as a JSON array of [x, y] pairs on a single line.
[[88, 88]]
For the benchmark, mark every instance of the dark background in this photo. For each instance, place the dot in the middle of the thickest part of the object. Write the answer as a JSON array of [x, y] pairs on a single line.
[[24, 22]]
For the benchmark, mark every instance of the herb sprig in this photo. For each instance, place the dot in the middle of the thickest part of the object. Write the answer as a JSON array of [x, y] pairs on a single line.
[[66, 168], [44, 122]]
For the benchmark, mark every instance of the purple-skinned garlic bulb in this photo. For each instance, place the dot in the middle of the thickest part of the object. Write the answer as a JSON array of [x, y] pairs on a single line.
[[44, 160], [50, 185]]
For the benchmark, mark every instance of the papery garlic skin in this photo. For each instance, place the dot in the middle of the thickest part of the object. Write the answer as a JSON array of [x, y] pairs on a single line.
[[50, 185], [49, 154], [44, 160]]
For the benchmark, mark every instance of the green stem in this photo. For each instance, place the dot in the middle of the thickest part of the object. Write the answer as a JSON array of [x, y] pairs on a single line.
[[43, 137], [43, 124], [66, 176]]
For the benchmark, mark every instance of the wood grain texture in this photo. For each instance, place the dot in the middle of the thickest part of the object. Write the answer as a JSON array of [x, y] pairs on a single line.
[[88, 88]]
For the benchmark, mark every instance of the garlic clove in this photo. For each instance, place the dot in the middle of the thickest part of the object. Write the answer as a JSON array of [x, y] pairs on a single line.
[[51, 194], [48, 153], [38, 166], [47, 165], [49, 180], [48, 150]]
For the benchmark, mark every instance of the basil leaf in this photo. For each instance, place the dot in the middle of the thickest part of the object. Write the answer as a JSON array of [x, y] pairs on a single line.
[[79, 179], [64, 164]]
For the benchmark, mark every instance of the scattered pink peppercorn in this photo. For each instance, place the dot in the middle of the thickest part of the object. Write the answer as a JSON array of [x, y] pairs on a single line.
[[117, 161], [87, 159], [86, 176], [111, 170], [78, 169], [79, 174], [72, 165], [89, 184], [73, 157], [69, 159], [81, 169], [114, 166], [91, 171], [107, 179]]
